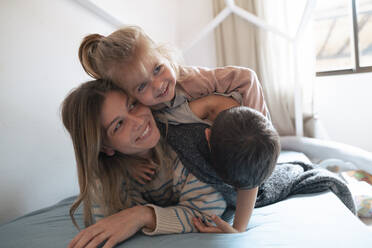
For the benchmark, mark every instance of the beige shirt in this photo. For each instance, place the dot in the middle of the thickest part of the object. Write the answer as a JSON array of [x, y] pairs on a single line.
[[197, 82], [180, 113]]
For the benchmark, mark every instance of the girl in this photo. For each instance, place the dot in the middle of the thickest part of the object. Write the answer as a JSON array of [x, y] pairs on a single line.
[[150, 73], [114, 135]]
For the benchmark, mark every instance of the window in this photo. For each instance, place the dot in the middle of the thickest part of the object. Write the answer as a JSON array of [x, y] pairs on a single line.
[[343, 34]]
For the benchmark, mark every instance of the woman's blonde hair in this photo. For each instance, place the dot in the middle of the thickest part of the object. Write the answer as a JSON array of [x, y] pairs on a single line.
[[100, 56], [102, 179]]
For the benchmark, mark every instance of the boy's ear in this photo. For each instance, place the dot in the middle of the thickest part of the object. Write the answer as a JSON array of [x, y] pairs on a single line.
[[207, 132], [108, 151]]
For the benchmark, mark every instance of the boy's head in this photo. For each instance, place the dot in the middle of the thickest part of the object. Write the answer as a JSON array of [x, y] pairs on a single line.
[[244, 147]]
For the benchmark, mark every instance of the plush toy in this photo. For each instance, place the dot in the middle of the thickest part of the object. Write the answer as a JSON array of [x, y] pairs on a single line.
[[352, 163], [361, 176], [360, 184]]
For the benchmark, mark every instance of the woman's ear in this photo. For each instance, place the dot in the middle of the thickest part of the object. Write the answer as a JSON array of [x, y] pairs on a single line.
[[108, 151], [207, 132]]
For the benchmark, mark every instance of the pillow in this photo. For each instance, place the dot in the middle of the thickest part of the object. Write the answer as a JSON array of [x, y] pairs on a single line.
[[318, 150]]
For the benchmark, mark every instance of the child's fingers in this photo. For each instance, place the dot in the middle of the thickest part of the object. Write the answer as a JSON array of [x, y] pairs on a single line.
[[203, 228], [209, 224], [149, 166], [152, 166], [145, 177], [139, 180], [199, 225], [206, 222], [223, 225], [141, 177], [220, 223], [148, 170]]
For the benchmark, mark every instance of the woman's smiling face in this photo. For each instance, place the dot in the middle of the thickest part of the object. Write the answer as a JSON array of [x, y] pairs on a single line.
[[129, 126]]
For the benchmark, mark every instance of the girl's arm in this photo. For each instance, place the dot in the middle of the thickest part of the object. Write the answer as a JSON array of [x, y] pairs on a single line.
[[198, 82]]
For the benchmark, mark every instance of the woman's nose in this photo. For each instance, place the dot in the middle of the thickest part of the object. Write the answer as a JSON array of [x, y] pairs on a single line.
[[137, 121]]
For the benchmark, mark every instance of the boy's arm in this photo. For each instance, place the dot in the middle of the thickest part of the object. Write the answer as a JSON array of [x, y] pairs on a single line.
[[209, 107], [198, 82], [244, 208], [245, 202]]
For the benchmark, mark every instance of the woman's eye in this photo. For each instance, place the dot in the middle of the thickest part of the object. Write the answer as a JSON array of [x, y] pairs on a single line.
[[141, 87], [118, 125], [157, 69]]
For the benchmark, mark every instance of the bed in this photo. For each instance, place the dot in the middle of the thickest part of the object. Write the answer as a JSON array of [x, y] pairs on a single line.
[[311, 220]]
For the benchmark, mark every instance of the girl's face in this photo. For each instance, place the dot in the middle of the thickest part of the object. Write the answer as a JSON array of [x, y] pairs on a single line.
[[128, 125], [151, 80]]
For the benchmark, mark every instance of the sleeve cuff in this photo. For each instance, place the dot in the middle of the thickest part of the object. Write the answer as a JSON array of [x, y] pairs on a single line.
[[166, 221]]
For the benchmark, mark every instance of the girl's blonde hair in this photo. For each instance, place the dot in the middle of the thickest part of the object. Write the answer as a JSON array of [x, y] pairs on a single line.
[[100, 56], [102, 179]]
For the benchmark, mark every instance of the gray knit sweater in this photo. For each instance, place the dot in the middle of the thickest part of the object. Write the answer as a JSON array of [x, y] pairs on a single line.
[[189, 142]]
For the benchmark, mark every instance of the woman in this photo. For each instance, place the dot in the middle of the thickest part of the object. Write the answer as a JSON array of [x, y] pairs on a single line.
[[115, 138]]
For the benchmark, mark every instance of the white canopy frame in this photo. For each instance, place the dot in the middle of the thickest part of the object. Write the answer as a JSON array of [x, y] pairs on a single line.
[[232, 8], [101, 13]]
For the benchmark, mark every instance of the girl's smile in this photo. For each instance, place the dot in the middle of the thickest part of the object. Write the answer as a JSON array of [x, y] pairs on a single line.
[[150, 79], [164, 92]]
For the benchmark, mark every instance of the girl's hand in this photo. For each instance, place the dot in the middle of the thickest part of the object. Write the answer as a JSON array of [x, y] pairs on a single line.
[[115, 228], [142, 173], [221, 226]]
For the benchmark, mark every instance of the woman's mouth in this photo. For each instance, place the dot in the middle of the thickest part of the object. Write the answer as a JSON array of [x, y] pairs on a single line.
[[146, 133]]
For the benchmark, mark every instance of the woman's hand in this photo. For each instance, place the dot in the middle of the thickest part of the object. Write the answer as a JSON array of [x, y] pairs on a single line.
[[142, 173], [221, 226], [115, 228]]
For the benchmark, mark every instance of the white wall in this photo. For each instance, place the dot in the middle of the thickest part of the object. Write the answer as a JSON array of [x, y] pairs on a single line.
[[157, 18], [39, 66], [189, 25], [169, 21], [174, 24], [344, 105]]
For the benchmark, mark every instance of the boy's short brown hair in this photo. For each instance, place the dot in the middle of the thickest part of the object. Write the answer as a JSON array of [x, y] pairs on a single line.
[[244, 147]]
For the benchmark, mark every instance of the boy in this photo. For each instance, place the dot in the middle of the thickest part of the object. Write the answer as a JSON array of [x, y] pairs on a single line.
[[243, 147]]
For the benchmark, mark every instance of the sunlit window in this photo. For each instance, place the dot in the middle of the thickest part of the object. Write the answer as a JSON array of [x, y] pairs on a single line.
[[364, 14], [343, 36]]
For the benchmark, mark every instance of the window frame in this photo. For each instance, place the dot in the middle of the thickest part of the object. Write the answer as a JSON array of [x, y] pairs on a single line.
[[354, 53]]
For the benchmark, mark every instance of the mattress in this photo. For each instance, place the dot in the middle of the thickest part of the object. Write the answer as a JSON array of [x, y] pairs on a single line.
[[311, 220]]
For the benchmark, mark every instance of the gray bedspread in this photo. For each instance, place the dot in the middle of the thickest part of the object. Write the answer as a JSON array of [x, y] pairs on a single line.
[[285, 224]]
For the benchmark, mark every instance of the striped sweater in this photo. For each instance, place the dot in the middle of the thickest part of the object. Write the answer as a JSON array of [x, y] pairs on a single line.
[[176, 197]]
